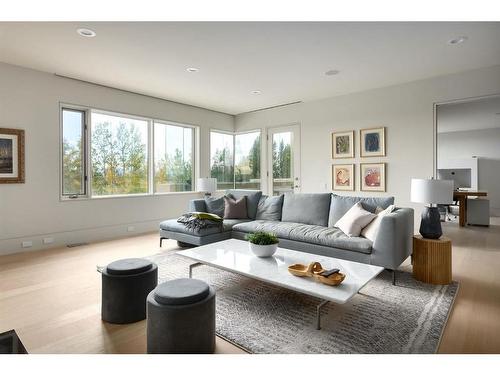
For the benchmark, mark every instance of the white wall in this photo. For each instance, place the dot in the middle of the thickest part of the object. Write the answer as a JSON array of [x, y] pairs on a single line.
[[485, 144], [29, 100], [405, 110]]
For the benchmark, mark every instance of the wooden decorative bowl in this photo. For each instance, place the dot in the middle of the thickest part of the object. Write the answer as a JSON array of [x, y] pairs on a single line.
[[298, 270], [333, 280], [302, 270], [314, 270]]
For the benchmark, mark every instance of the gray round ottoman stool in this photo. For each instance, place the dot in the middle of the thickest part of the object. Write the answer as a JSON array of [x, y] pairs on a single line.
[[126, 284], [181, 317]]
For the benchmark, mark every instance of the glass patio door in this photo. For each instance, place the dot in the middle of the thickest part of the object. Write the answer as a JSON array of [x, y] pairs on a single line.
[[284, 159]]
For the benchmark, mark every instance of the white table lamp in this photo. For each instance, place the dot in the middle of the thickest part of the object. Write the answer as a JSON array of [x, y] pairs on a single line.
[[207, 185], [431, 192]]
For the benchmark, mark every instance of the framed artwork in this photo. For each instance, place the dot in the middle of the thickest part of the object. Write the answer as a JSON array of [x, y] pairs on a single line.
[[372, 142], [372, 176], [343, 177], [343, 145], [11, 156]]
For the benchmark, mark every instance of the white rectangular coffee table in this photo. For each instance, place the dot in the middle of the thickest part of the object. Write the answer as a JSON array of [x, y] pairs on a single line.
[[235, 256]]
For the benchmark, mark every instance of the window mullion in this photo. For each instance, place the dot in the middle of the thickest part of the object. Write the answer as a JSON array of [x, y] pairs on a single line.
[[84, 153], [88, 154], [151, 189], [234, 161]]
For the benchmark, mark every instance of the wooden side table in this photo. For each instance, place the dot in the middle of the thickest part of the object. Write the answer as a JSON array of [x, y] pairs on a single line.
[[432, 260]]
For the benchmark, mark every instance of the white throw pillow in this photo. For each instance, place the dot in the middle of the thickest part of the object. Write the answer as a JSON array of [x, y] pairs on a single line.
[[371, 230], [355, 220]]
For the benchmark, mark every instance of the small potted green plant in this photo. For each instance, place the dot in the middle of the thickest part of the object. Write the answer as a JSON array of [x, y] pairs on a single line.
[[262, 244]]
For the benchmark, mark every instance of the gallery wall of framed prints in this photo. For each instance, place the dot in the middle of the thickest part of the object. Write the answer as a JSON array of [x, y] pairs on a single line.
[[343, 177], [372, 175], [343, 145], [372, 142]]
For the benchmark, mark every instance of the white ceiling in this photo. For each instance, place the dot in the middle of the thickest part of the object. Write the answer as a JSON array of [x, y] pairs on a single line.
[[471, 115], [286, 61]]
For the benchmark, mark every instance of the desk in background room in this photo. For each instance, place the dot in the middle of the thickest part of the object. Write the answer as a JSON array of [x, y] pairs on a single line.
[[461, 196]]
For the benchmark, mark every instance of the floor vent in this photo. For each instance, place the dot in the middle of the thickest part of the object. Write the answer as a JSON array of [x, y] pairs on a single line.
[[77, 244]]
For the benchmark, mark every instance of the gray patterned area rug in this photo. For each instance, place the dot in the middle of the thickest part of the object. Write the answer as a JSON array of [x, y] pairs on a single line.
[[382, 318]]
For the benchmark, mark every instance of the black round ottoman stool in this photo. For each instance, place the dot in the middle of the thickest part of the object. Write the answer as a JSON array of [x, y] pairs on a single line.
[[126, 284], [181, 317]]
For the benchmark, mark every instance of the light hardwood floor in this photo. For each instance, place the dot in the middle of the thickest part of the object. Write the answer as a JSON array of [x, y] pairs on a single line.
[[52, 297]]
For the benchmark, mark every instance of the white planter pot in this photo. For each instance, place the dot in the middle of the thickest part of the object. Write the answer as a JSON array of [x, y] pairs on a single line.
[[263, 251]]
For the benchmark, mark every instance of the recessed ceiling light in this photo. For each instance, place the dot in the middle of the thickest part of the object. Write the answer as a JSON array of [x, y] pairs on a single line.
[[332, 72], [87, 33], [256, 92], [457, 40], [193, 70]]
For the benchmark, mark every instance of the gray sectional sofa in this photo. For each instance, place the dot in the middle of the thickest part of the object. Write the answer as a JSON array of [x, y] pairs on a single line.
[[305, 222]]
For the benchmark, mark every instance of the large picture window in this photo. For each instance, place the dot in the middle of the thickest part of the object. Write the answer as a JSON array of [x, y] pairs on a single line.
[[247, 161], [173, 158], [119, 155], [222, 159], [235, 160], [123, 155]]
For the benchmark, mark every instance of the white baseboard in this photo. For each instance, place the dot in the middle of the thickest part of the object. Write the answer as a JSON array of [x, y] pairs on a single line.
[[88, 235]]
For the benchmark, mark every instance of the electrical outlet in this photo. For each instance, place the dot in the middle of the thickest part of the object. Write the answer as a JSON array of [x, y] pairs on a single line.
[[48, 240], [130, 228], [26, 244]]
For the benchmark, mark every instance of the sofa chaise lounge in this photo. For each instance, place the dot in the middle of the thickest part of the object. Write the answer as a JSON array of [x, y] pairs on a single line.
[[305, 222]]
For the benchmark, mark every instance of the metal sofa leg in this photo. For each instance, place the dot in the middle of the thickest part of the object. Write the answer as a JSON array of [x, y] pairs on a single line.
[[161, 240], [393, 272], [185, 244]]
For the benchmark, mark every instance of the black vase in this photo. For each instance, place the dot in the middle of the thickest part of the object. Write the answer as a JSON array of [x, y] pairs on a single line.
[[430, 226]]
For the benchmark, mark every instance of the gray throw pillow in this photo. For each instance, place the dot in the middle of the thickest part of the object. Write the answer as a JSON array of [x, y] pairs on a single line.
[[306, 208], [235, 209], [341, 204], [253, 198], [215, 205], [269, 208]]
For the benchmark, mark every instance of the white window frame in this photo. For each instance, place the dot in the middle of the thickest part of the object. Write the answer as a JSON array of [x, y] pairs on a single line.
[[233, 134], [86, 112], [227, 132], [150, 154], [194, 156]]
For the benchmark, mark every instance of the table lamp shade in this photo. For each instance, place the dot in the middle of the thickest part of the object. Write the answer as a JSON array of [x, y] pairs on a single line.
[[430, 191], [207, 185]]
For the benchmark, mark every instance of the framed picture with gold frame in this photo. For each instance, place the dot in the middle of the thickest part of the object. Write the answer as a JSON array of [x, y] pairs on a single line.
[[343, 145], [372, 176], [372, 142], [343, 177], [11, 156]]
